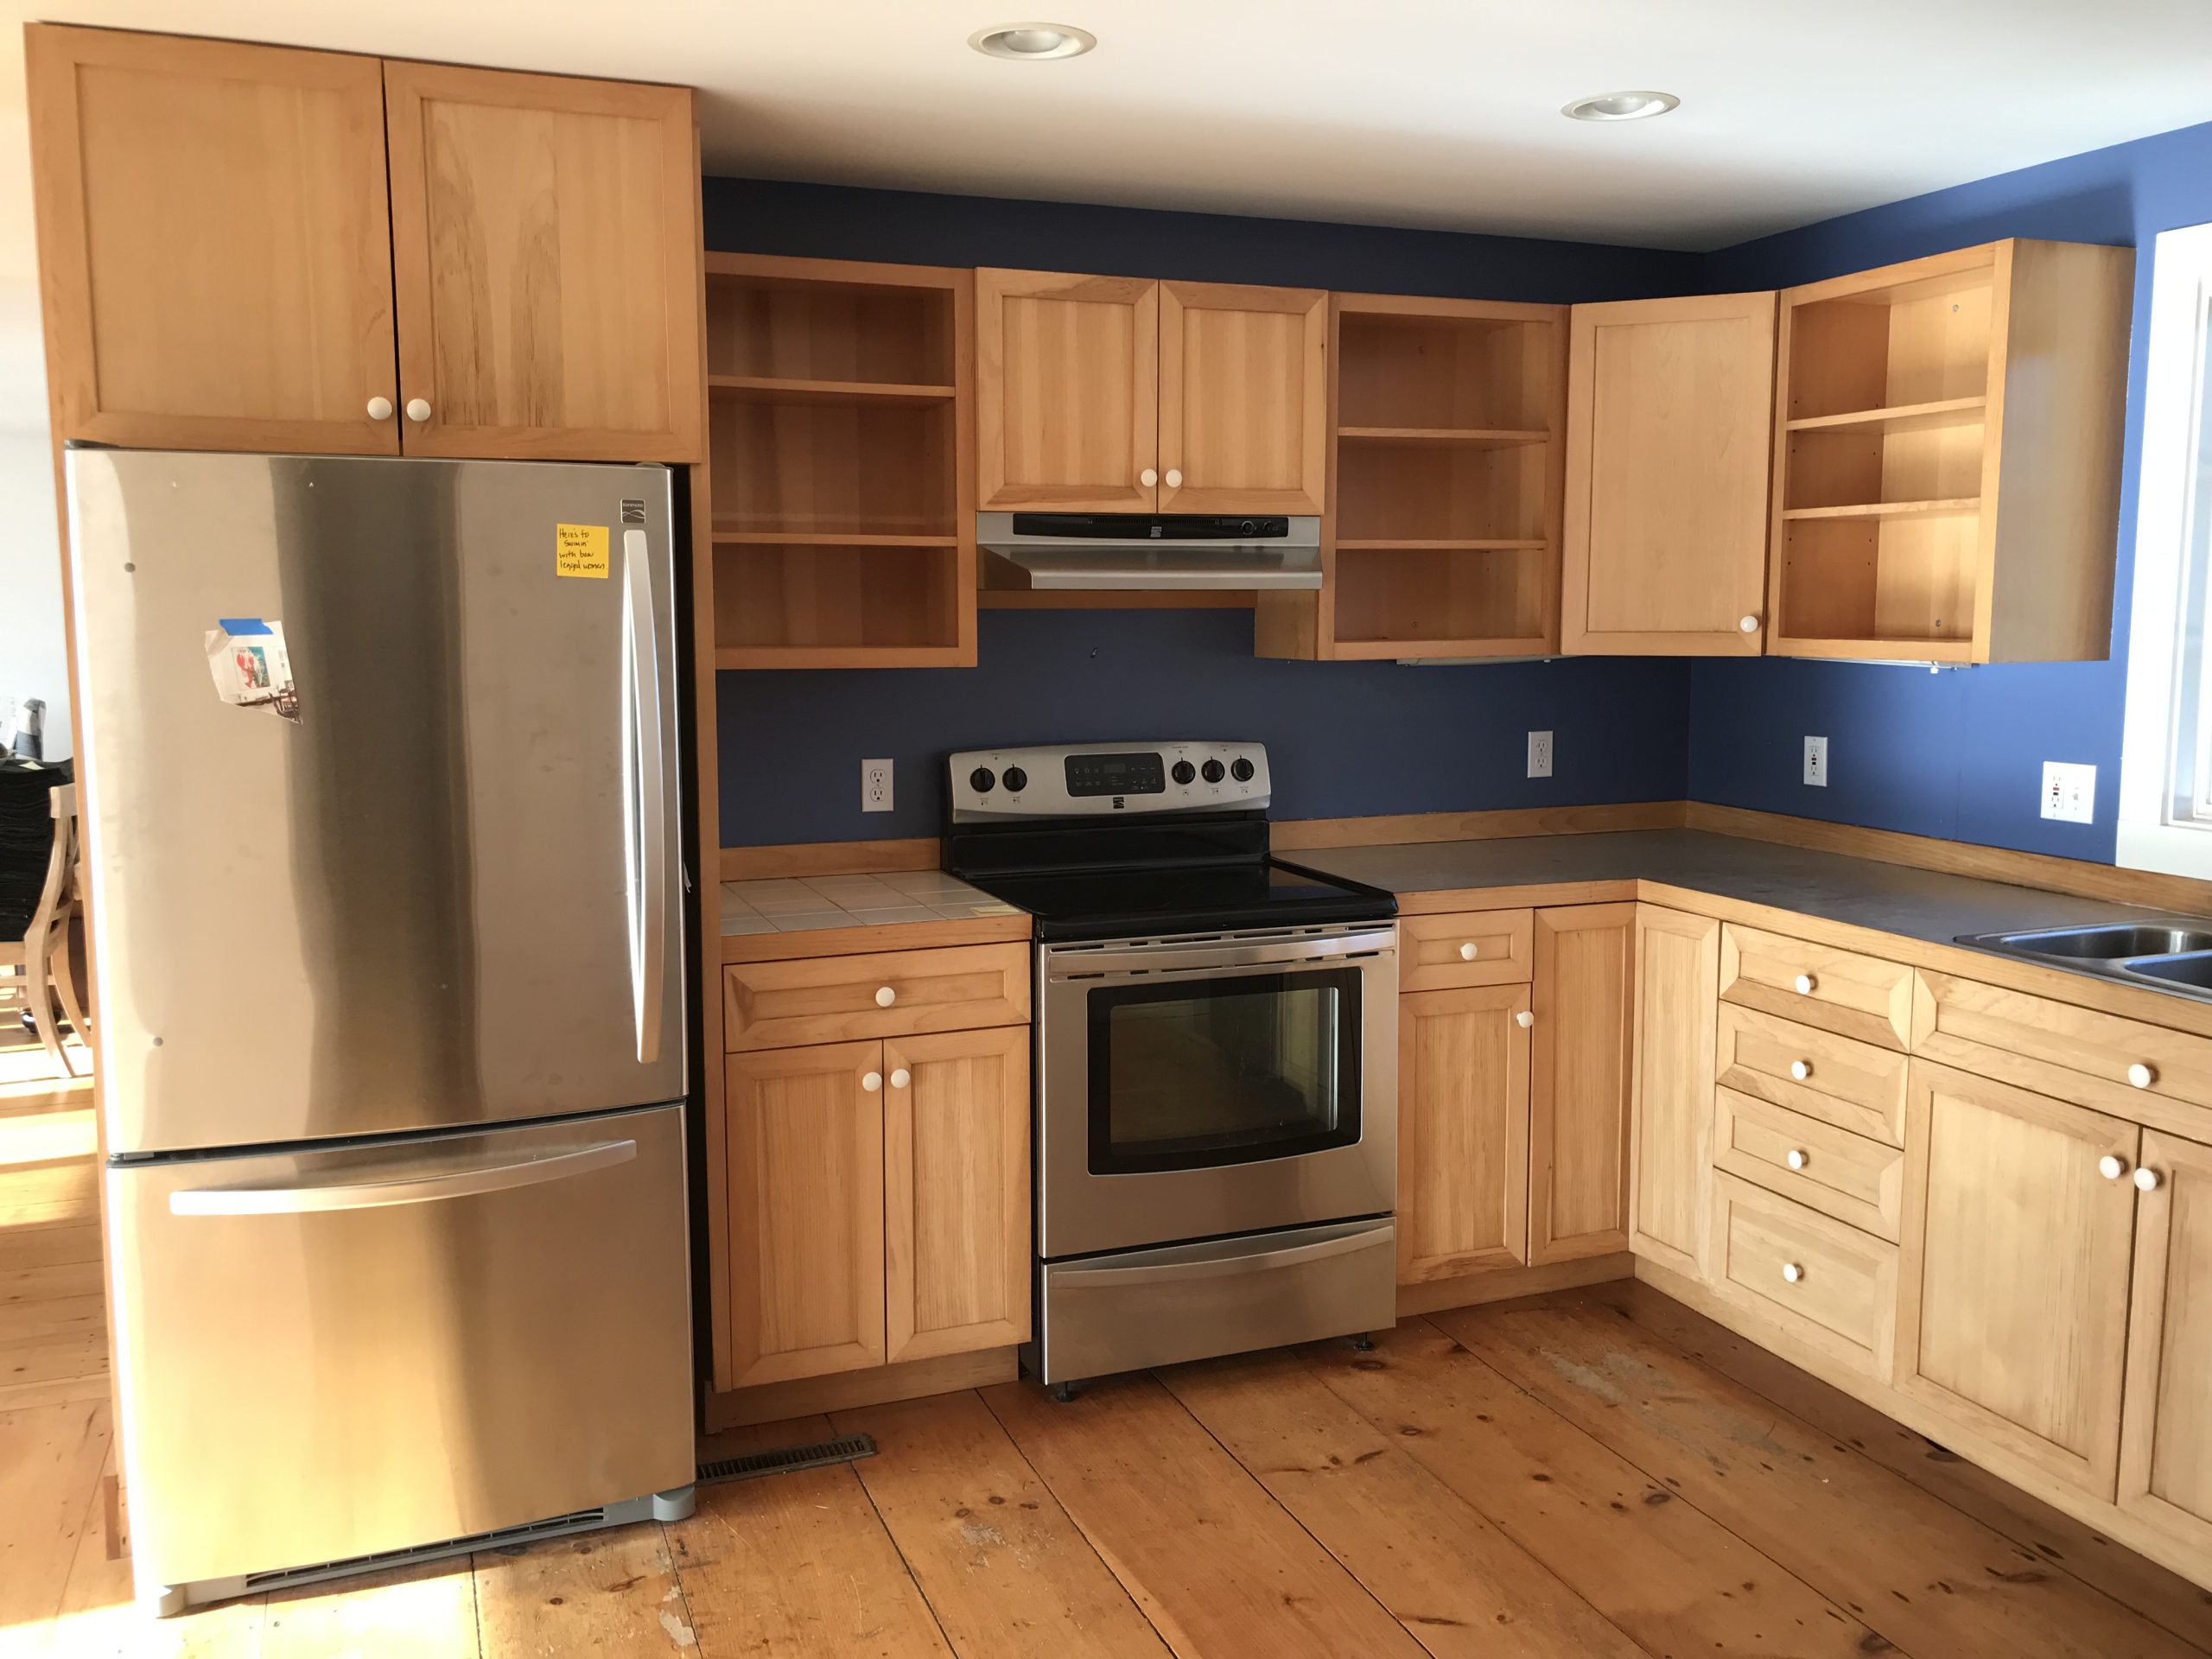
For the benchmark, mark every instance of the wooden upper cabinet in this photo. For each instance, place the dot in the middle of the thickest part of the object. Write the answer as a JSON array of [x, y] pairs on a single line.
[[1067, 388], [1677, 1008], [1580, 1075], [545, 260], [1463, 1131], [213, 255], [1243, 398], [2019, 1223], [1669, 406], [2165, 1456]]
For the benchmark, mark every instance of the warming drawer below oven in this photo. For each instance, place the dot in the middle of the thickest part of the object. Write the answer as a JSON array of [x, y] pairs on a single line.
[[1131, 1309]]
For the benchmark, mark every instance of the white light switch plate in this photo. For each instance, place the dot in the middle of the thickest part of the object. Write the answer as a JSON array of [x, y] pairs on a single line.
[[1816, 762], [1540, 754], [2069, 791]]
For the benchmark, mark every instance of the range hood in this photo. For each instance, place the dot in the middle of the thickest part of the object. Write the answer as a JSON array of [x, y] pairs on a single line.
[[1129, 549]]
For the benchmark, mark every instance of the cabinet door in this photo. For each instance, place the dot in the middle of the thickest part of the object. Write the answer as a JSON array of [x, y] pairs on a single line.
[[545, 260], [1668, 408], [1579, 1081], [2165, 1448], [804, 1137], [1677, 1010], [1463, 1132], [1067, 392], [214, 251], [1243, 398], [2012, 1285], [956, 1174]]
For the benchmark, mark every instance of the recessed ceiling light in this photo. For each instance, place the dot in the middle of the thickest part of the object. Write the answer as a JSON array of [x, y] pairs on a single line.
[[1620, 107], [1033, 43]]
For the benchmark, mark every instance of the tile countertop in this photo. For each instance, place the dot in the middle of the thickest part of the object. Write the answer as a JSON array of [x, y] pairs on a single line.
[[1858, 891], [798, 905]]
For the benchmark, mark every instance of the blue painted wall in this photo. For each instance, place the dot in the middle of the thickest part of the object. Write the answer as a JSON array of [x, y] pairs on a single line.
[[1959, 753], [1344, 738]]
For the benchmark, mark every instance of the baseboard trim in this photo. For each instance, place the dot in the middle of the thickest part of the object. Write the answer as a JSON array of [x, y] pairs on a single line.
[[806, 1397], [1503, 1284]]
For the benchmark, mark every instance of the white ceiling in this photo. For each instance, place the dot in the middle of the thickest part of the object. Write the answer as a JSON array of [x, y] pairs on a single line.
[[1423, 113]]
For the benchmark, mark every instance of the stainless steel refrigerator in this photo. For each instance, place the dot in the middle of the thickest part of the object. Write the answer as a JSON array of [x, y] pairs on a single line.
[[382, 831]]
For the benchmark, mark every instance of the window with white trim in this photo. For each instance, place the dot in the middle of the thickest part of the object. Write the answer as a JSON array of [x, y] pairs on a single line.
[[2166, 773]]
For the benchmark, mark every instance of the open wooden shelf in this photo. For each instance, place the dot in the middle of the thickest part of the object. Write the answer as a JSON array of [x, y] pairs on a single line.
[[1440, 543], [1886, 509], [1433, 601], [840, 451], [1468, 437], [1905, 417]]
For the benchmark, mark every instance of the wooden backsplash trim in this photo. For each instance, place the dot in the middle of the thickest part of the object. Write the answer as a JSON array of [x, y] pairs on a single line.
[[1494, 825]]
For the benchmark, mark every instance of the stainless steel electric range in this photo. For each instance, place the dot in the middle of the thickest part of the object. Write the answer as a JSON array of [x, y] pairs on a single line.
[[1216, 1056]]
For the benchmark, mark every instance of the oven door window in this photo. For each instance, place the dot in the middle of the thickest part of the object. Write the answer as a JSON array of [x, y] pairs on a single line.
[[1193, 1074]]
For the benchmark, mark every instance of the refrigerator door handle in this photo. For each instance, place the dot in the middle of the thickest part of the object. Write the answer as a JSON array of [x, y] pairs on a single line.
[[649, 931], [316, 1196]]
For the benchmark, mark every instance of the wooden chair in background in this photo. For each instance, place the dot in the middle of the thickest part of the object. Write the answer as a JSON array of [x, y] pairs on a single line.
[[35, 969]]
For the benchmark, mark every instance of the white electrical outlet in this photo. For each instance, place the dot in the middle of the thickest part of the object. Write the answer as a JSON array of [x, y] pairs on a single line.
[[1540, 754], [1816, 762], [875, 785], [2069, 791]]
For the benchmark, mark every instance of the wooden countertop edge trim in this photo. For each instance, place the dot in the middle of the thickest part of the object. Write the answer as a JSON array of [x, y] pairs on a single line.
[[889, 936]]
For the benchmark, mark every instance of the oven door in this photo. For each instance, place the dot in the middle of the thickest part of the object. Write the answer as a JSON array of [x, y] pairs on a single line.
[[1192, 1088]]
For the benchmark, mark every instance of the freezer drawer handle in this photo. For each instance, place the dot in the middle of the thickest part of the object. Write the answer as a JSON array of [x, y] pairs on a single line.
[[1238, 1260], [650, 931], [422, 1188]]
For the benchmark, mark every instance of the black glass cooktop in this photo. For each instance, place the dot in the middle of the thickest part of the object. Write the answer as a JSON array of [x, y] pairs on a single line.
[[1198, 899]]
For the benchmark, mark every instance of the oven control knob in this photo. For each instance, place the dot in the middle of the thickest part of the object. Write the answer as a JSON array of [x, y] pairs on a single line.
[[1212, 769], [1016, 779], [1241, 770], [980, 780], [1182, 772]]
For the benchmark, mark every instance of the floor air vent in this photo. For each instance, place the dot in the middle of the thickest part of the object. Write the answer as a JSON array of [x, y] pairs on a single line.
[[786, 1458], [558, 1526]]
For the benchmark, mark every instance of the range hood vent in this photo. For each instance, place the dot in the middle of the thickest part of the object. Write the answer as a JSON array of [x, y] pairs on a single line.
[[1137, 550]]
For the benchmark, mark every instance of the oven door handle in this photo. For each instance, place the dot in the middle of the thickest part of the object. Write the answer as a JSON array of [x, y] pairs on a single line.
[[1081, 964], [1235, 1256]]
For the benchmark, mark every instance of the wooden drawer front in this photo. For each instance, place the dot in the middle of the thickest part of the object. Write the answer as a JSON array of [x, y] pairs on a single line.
[[1854, 1085], [1844, 1298], [2071, 1053], [1841, 991], [837, 999], [1828, 1169], [1480, 947]]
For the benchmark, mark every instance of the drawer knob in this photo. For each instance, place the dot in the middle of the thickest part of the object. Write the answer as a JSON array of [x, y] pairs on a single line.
[[2111, 1166], [1467, 952], [1524, 1019], [1801, 1070], [418, 410], [885, 996], [1747, 624], [901, 1077], [379, 409], [1149, 478], [2146, 1179], [1805, 983], [1797, 1159], [2142, 1075], [1792, 1272], [872, 1081]]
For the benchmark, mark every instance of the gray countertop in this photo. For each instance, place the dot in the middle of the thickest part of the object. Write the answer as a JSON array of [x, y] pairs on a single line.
[[1856, 892]]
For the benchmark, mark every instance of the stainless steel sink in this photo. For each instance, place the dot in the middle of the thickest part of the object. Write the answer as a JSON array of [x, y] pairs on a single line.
[[2175, 956]]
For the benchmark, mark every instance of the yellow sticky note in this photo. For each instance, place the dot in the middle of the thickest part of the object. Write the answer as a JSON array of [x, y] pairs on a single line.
[[579, 549]]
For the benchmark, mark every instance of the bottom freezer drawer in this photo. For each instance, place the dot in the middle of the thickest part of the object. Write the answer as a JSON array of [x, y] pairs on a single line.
[[333, 1352], [1159, 1306]]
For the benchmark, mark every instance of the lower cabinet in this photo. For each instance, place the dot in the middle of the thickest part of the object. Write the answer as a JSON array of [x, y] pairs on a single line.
[[1463, 1131], [1677, 1007], [2019, 1224], [1578, 1079], [878, 1202], [2166, 1445]]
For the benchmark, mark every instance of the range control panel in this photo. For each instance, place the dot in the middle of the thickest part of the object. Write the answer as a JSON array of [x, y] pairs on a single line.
[[1101, 779]]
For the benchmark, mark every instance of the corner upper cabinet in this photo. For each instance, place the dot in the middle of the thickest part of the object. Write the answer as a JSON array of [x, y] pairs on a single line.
[[213, 254], [1669, 409], [545, 260], [1947, 457], [1115, 394]]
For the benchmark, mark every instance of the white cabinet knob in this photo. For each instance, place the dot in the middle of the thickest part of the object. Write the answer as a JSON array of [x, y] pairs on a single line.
[[1805, 983], [901, 1077], [2111, 1167], [1797, 1159], [2142, 1075], [885, 996], [418, 410], [1174, 479], [872, 1081], [1467, 952], [1747, 625], [1792, 1272], [1801, 1070], [2146, 1180], [1148, 478], [1524, 1019], [379, 409]]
